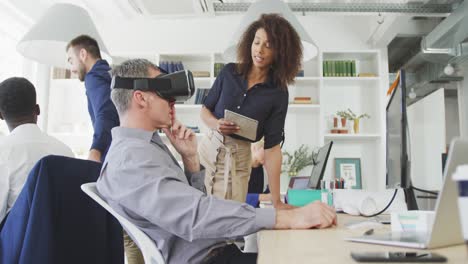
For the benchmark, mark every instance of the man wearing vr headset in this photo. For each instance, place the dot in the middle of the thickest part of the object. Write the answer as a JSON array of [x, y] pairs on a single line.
[[142, 181]]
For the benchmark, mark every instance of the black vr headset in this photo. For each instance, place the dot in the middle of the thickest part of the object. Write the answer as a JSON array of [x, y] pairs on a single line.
[[174, 87]]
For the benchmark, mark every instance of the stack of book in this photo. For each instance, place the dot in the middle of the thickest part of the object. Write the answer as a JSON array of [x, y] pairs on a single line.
[[367, 74], [300, 73], [218, 66], [200, 95], [200, 74], [339, 68], [302, 100], [195, 129], [61, 73], [171, 66]]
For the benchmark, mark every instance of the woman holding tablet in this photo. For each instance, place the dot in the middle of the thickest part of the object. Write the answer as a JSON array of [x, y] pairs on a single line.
[[269, 56]]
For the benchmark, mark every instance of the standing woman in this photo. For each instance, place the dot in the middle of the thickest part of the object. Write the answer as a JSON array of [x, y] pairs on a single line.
[[269, 56]]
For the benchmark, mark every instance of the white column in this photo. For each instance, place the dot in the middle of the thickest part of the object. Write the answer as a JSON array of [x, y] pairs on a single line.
[[29, 70], [42, 88]]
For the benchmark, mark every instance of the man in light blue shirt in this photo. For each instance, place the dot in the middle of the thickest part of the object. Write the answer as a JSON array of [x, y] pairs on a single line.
[[141, 180]]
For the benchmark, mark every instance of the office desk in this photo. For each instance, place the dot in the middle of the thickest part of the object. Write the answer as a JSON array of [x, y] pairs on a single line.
[[328, 245]]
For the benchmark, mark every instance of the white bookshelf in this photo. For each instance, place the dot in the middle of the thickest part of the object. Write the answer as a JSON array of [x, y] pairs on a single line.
[[361, 95], [305, 123], [202, 79], [308, 85], [293, 107], [350, 79], [352, 137], [307, 79]]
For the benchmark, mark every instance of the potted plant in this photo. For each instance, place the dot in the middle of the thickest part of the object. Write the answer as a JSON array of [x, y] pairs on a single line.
[[344, 116], [301, 158], [356, 118]]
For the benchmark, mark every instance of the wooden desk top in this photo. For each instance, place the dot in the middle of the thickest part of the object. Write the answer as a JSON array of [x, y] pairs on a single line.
[[328, 245]]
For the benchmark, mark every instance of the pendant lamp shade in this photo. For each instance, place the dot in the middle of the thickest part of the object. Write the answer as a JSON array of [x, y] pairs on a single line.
[[47, 39], [267, 7]]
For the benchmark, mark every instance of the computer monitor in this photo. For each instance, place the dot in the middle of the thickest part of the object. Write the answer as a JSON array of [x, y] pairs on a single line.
[[397, 155], [398, 175], [319, 169], [313, 181]]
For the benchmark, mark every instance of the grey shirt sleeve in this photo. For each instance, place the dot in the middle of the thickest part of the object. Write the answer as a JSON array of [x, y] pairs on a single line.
[[197, 179], [157, 193]]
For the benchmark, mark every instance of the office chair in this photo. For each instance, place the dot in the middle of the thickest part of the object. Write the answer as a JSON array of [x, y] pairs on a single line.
[[150, 251]]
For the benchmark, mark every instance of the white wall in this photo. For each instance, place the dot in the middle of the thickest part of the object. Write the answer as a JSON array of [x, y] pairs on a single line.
[[426, 121], [12, 27]]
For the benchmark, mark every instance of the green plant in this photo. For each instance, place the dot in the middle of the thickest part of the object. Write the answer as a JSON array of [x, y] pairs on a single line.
[[343, 114], [350, 115], [315, 154], [301, 158]]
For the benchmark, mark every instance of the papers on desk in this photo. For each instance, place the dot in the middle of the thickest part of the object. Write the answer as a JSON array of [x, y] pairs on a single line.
[[370, 223]]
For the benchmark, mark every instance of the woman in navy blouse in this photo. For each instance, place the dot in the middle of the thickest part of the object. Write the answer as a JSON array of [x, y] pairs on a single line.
[[269, 56]]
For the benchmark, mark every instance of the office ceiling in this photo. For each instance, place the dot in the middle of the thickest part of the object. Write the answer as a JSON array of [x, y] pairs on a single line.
[[131, 8], [384, 6], [352, 1]]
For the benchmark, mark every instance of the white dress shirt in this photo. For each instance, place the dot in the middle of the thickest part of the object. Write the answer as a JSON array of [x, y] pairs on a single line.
[[19, 152]]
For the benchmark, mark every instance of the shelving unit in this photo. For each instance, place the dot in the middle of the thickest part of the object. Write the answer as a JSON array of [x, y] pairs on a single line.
[[353, 137], [303, 107], [361, 95], [351, 79], [305, 79], [305, 123]]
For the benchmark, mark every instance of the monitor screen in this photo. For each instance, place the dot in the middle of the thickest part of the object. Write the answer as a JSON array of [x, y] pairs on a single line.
[[319, 169], [397, 157]]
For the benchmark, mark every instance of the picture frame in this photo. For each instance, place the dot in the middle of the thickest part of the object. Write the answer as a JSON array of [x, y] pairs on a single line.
[[349, 169]]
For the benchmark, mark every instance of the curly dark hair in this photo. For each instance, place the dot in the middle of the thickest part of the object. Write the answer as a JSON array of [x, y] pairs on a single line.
[[17, 98], [286, 44]]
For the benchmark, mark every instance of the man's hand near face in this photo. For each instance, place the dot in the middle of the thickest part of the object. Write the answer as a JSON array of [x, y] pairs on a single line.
[[185, 142]]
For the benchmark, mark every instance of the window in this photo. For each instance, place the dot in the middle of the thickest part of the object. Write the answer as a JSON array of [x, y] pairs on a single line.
[[11, 62]]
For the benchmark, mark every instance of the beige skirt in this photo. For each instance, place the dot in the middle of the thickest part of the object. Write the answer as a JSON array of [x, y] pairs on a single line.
[[227, 162]]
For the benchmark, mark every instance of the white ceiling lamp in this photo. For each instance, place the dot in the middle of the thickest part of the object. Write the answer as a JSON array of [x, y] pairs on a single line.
[[47, 39], [266, 7]]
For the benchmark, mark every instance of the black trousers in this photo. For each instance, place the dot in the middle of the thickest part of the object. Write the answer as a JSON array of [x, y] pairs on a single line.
[[230, 254]]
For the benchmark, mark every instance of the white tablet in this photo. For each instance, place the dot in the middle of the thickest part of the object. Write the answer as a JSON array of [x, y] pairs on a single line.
[[247, 125]]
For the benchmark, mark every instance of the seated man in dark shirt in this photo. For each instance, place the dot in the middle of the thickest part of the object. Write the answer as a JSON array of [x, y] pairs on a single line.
[[143, 182]]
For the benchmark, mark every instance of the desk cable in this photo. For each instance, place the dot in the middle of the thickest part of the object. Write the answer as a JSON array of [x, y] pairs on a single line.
[[424, 191], [386, 207]]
